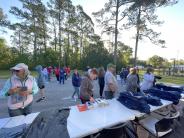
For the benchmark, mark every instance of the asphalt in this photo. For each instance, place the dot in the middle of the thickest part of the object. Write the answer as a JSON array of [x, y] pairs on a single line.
[[57, 96]]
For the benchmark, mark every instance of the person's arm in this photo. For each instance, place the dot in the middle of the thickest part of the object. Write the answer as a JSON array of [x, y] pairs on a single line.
[[6, 88]]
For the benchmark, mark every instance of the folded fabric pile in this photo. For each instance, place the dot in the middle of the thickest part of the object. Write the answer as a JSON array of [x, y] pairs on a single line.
[[133, 102], [166, 95], [152, 100], [169, 88]]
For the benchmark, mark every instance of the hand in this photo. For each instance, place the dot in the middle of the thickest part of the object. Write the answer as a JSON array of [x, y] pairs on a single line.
[[24, 93], [92, 99], [14, 90]]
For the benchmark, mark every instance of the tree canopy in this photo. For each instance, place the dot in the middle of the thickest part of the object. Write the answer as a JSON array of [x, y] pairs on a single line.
[[61, 34]]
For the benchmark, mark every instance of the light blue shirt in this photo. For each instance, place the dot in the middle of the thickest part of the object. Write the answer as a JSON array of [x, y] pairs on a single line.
[[7, 86]]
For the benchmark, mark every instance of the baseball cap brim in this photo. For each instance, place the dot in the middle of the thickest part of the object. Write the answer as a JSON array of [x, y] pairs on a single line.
[[16, 68]]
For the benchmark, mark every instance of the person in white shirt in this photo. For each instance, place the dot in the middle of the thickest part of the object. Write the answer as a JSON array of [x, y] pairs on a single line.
[[148, 79]]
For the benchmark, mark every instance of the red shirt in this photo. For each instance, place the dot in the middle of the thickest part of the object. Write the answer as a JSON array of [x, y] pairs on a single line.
[[49, 69], [56, 71]]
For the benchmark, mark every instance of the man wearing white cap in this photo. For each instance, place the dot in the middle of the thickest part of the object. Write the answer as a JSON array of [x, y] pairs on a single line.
[[20, 88]]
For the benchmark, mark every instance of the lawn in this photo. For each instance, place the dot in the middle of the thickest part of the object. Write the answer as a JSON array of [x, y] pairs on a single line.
[[167, 79], [5, 74], [172, 79]]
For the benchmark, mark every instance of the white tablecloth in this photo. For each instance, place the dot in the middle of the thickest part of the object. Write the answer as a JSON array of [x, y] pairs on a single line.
[[17, 120], [91, 121], [80, 124]]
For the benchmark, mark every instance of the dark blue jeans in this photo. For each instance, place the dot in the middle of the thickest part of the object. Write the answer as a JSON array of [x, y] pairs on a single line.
[[62, 79], [21, 111], [76, 91]]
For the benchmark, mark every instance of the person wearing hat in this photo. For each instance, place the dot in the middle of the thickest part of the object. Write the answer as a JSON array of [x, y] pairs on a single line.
[[19, 89], [111, 85], [132, 79]]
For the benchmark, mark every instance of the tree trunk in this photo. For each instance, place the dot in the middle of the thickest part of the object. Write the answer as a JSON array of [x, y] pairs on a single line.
[[55, 36], [116, 34], [68, 47], [59, 39], [45, 41], [81, 45], [137, 36], [20, 43], [35, 41]]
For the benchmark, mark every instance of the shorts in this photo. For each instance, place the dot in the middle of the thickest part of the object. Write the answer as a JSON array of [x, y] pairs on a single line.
[[42, 87]]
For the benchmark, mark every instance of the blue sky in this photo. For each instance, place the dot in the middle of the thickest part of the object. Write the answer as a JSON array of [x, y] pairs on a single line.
[[172, 29]]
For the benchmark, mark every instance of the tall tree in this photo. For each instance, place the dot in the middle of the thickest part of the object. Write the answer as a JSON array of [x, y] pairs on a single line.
[[42, 23], [59, 8], [96, 54], [70, 29], [85, 26], [124, 53], [33, 14], [109, 17], [19, 38], [53, 23], [5, 55], [3, 20], [156, 61], [141, 14]]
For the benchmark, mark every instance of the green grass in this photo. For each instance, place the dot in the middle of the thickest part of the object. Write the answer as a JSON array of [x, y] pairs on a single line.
[[172, 79], [5, 74]]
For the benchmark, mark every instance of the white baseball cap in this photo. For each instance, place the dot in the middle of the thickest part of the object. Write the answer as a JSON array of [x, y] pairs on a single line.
[[20, 66]]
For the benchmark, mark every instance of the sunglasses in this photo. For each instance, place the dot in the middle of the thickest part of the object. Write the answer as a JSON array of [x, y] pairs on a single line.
[[16, 70]]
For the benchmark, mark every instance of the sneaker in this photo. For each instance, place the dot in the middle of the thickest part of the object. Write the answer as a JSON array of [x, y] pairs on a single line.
[[40, 99]]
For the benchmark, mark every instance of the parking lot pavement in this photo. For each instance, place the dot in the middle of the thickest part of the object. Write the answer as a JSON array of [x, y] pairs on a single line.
[[57, 96]]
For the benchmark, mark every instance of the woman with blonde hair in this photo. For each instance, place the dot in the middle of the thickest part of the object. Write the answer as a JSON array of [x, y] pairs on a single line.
[[132, 79]]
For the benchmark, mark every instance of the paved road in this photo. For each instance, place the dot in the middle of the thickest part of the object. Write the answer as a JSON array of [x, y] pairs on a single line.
[[57, 96]]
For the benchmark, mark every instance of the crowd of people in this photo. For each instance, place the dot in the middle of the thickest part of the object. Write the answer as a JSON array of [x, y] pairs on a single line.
[[61, 73], [21, 86]]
